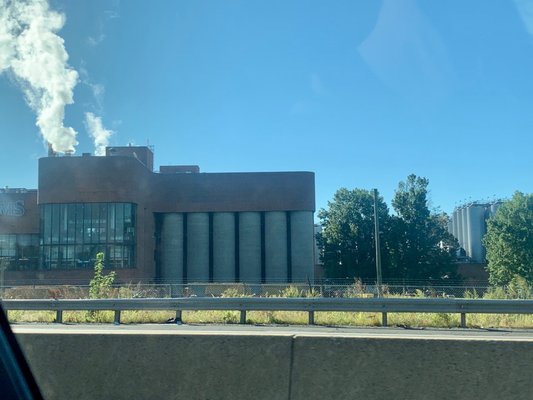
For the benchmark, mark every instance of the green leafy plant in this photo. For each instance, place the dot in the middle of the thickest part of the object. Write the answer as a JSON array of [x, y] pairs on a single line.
[[519, 288], [100, 285], [509, 242]]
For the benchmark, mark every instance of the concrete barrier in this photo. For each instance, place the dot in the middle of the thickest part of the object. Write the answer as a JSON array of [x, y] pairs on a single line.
[[347, 368], [97, 366], [266, 366]]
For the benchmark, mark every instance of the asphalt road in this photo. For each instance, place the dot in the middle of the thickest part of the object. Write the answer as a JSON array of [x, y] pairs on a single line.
[[314, 331]]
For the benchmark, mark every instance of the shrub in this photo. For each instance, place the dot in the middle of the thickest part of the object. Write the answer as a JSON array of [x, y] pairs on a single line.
[[100, 285]]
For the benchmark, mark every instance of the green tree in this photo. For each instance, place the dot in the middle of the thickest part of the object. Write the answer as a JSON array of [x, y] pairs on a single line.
[[509, 241], [347, 238], [100, 285], [418, 243]]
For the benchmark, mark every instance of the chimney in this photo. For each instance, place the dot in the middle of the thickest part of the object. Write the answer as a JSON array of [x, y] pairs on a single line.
[[51, 152]]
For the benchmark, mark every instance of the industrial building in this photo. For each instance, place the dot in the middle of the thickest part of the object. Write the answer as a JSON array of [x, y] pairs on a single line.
[[176, 225], [469, 225]]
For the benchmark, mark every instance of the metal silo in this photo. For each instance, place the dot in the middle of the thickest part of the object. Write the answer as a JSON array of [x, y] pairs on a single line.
[[465, 230], [454, 223], [172, 247], [224, 247], [459, 227], [494, 208], [276, 246], [198, 247], [302, 243], [250, 247], [476, 224]]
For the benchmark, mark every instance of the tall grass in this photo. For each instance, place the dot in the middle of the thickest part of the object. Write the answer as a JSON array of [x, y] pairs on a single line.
[[518, 289], [438, 320]]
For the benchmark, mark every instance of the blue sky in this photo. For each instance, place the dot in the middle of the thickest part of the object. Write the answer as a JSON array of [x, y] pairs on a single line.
[[362, 93]]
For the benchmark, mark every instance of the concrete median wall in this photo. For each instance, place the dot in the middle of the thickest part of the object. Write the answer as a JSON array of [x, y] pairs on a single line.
[[346, 368], [249, 366]]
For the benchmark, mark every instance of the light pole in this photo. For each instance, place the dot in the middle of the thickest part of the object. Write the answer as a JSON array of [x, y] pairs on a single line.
[[378, 248]]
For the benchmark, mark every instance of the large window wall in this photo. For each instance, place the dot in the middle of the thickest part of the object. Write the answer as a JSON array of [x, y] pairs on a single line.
[[72, 235], [19, 252]]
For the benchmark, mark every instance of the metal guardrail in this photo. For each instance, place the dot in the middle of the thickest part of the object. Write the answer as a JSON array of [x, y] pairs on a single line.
[[310, 305]]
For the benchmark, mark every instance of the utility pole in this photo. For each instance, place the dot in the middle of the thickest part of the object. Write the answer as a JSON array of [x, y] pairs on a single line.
[[378, 248]]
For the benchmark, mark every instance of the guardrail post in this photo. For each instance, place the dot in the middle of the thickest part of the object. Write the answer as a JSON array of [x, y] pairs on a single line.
[[463, 320], [59, 316], [243, 316], [117, 317], [384, 318], [311, 317], [178, 320]]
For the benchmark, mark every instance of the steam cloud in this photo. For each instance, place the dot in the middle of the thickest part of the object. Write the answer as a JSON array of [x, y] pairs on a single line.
[[37, 59], [99, 134]]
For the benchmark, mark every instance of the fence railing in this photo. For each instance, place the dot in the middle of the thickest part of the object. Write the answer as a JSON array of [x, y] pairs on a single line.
[[309, 305], [242, 289]]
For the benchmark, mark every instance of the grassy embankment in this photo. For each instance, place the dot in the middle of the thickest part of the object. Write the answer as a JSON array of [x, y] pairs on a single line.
[[441, 320]]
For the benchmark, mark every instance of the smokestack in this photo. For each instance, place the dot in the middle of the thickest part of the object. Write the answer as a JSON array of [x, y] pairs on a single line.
[[51, 152]]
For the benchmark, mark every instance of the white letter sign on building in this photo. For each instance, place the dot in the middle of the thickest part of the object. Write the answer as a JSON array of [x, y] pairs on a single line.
[[12, 208]]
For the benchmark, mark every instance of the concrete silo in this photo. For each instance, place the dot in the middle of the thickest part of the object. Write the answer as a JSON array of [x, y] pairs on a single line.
[[198, 247], [172, 247], [302, 243], [224, 247], [276, 246], [250, 247]]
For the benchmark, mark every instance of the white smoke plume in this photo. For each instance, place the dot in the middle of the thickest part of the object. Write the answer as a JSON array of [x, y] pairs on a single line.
[[36, 57], [99, 134]]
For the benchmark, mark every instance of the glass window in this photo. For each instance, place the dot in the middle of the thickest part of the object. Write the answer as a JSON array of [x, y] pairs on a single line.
[[7, 246], [46, 227], [119, 222], [72, 235], [71, 223], [45, 257], [79, 223], [82, 257], [111, 222], [27, 252], [54, 257], [95, 229], [63, 222], [102, 223], [56, 214], [87, 224], [129, 222]]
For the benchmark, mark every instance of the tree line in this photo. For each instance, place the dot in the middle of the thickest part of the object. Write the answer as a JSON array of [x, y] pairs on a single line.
[[415, 242], [509, 241]]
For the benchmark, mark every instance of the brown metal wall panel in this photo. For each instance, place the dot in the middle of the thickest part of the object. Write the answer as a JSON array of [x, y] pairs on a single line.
[[92, 180], [19, 213], [234, 192]]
